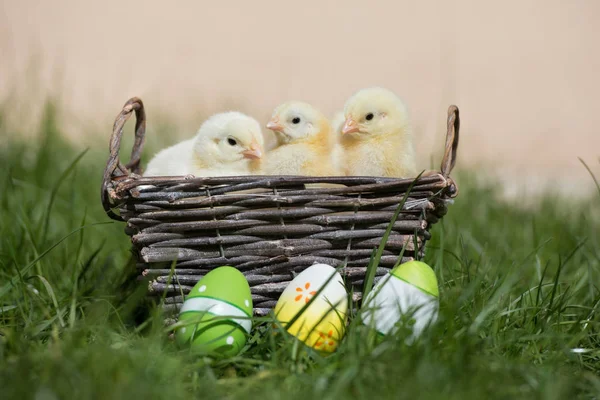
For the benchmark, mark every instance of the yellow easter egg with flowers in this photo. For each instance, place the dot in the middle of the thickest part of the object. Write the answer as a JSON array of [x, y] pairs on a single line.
[[322, 325]]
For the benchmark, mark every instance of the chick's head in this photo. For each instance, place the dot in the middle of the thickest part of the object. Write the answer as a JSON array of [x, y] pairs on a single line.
[[296, 121], [374, 111], [229, 137]]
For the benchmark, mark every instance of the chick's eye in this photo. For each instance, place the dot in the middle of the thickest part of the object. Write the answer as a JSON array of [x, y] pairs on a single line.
[[296, 120], [369, 116], [231, 141]]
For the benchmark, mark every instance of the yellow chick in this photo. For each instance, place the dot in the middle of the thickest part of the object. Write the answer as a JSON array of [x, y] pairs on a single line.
[[305, 142], [376, 136], [227, 144]]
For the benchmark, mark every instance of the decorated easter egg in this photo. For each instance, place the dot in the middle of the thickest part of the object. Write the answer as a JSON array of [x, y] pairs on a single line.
[[223, 292], [409, 290], [321, 326]]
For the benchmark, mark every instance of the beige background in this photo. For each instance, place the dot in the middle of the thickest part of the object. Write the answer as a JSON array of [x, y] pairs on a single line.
[[525, 73]]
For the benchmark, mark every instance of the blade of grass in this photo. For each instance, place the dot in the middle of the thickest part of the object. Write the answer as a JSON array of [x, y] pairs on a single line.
[[81, 237], [591, 173], [374, 262], [561, 264], [73, 309], [6, 288], [52, 295], [59, 181]]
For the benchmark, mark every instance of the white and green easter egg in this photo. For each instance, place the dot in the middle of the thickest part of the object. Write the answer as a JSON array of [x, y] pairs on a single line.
[[223, 292], [409, 290], [322, 325]]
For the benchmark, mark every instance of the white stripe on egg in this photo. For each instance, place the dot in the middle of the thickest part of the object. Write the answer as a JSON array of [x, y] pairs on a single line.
[[217, 307]]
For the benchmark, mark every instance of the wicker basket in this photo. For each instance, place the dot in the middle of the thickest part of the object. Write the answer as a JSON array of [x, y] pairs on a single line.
[[269, 227]]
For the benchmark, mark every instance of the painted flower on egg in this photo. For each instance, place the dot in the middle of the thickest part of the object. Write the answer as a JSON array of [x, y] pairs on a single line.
[[304, 293]]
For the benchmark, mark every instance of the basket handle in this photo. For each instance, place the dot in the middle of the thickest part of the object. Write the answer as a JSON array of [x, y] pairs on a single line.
[[451, 141], [114, 168]]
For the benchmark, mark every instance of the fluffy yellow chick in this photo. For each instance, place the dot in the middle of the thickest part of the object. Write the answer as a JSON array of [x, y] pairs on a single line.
[[306, 142], [226, 144], [376, 136]]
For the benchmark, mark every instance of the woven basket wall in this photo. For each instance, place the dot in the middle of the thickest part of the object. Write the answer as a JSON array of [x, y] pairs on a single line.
[[269, 227]]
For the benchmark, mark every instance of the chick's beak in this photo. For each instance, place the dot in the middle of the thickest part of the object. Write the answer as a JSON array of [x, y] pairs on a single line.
[[275, 125], [350, 126], [254, 152]]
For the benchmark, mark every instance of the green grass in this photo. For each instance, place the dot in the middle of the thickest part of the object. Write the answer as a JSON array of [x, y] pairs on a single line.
[[519, 291]]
